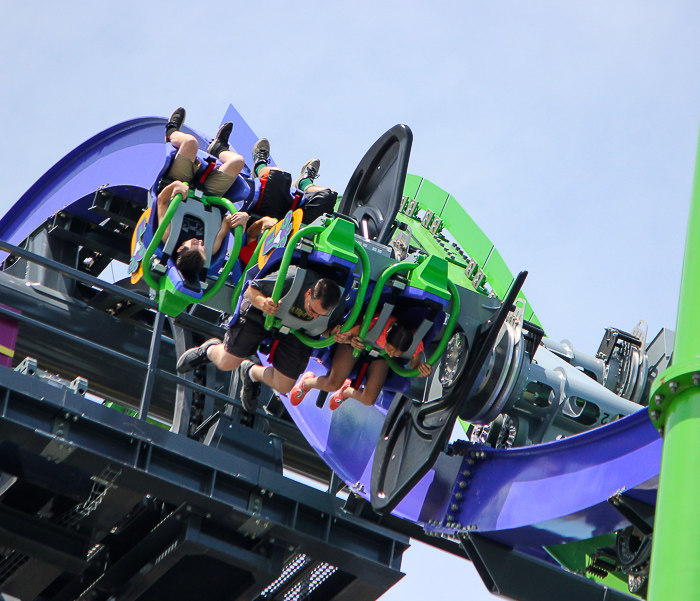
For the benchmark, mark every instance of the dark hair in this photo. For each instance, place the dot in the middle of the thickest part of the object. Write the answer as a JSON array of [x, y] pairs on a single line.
[[400, 336], [190, 262], [327, 291]]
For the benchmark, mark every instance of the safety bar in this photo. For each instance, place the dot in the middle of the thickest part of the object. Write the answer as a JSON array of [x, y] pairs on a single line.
[[372, 306], [308, 231], [162, 226]]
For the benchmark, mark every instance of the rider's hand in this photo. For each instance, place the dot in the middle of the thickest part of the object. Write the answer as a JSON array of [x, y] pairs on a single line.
[[269, 307], [236, 219], [358, 343], [267, 222], [425, 370], [179, 188], [343, 337]]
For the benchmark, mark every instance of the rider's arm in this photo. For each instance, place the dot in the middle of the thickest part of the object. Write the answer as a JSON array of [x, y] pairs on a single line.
[[258, 226], [165, 197], [261, 289], [345, 337], [424, 368], [227, 224], [261, 301]]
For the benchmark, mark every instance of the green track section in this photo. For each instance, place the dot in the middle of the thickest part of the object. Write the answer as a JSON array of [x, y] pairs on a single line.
[[577, 556], [441, 226]]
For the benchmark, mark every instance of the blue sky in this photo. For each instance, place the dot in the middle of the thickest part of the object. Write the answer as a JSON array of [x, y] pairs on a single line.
[[568, 131]]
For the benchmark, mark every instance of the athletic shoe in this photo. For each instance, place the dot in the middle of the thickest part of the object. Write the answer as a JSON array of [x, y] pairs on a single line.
[[195, 357], [299, 392], [308, 171], [175, 122], [220, 142], [337, 399], [261, 152], [250, 389]]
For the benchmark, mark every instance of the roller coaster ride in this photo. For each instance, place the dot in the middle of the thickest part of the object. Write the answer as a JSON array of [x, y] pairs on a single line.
[[122, 480]]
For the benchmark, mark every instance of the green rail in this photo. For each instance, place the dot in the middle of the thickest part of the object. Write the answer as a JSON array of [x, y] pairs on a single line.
[[253, 260]]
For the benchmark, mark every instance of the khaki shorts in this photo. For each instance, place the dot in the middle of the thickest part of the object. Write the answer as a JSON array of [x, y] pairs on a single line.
[[184, 169]]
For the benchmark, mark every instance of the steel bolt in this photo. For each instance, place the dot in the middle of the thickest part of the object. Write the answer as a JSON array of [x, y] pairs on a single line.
[[462, 484], [655, 415], [454, 507], [673, 386], [659, 398]]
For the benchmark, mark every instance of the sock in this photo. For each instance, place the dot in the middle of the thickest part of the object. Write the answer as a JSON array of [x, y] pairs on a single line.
[[259, 165], [305, 183]]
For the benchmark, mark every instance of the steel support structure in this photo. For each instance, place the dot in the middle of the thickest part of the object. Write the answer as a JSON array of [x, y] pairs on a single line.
[[229, 522]]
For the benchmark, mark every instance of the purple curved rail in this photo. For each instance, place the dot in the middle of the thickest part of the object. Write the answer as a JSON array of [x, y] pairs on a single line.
[[541, 495]]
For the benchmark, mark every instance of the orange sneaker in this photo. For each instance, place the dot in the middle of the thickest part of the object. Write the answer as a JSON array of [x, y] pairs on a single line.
[[298, 393], [338, 399]]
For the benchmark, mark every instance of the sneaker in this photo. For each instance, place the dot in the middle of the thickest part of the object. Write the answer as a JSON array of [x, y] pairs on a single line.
[[250, 389], [338, 399], [175, 122], [308, 171], [298, 393], [261, 152], [220, 142], [195, 357]]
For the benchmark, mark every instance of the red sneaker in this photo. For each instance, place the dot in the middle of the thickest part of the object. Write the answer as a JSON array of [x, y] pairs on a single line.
[[337, 399], [298, 393]]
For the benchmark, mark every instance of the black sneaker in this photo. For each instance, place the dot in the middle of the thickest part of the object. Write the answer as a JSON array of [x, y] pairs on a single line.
[[220, 142], [175, 122], [261, 152], [250, 389], [195, 357]]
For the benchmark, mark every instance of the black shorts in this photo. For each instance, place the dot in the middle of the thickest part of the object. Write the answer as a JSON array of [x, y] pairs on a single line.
[[319, 203], [275, 197], [291, 355]]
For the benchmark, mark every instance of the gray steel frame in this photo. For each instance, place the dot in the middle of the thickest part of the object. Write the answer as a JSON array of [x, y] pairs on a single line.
[[236, 508]]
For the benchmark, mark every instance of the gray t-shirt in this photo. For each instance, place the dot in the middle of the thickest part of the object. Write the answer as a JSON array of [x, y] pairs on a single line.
[[267, 284]]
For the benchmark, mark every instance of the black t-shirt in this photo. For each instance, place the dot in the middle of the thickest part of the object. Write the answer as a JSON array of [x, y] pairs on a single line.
[[267, 284], [192, 227]]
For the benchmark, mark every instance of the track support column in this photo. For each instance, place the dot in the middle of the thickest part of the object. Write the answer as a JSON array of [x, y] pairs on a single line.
[[674, 408]]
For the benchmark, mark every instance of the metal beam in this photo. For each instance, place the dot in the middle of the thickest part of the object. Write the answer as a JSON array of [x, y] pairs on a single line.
[[516, 575]]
